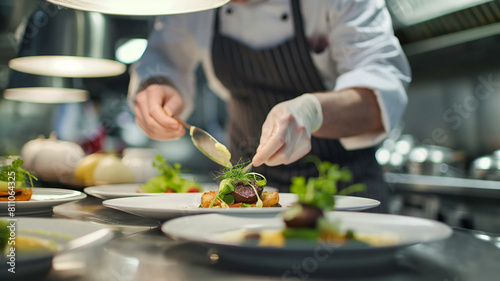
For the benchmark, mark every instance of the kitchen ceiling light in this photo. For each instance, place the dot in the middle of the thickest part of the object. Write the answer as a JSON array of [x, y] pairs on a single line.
[[131, 50], [67, 43], [141, 8], [46, 95], [44, 89]]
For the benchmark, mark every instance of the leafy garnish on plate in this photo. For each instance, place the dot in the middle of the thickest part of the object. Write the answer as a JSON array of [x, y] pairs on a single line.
[[230, 177], [16, 172], [306, 220], [319, 192], [169, 179]]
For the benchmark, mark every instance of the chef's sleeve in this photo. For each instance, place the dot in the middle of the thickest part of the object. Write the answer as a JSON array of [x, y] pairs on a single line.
[[368, 55], [171, 57]]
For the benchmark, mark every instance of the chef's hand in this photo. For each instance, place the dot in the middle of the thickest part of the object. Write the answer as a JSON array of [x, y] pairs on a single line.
[[286, 133], [153, 109]]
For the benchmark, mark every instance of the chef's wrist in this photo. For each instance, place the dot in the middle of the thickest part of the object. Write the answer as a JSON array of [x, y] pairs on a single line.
[[310, 108], [154, 80]]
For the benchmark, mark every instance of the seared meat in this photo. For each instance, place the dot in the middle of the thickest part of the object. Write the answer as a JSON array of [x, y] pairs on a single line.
[[245, 193], [307, 218]]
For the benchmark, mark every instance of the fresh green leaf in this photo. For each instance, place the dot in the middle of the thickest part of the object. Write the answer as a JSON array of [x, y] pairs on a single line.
[[320, 191], [301, 233], [228, 199], [169, 178], [20, 174], [353, 188]]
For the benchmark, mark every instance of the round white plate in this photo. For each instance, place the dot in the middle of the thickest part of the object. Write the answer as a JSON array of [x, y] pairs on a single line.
[[181, 204], [111, 191], [63, 234], [42, 200], [211, 229]]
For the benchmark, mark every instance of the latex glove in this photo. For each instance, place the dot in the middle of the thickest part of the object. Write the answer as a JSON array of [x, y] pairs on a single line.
[[153, 109], [286, 133]]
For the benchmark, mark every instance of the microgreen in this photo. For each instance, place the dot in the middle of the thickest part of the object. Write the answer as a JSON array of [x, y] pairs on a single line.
[[231, 176], [169, 178], [319, 191], [20, 174]]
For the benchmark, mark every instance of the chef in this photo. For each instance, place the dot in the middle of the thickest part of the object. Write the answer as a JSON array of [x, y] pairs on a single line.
[[300, 77]]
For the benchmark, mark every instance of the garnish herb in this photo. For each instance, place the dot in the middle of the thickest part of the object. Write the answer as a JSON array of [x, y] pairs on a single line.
[[319, 191], [20, 173], [230, 177], [169, 178]]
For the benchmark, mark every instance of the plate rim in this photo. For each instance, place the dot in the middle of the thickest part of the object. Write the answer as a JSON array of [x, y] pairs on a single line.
[[111, 203], [78, 195], [448, 229]]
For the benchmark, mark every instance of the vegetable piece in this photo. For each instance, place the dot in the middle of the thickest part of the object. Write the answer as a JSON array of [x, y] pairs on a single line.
[[20, 174], [270, 199], [319, 192], [169, 179], [316, 195], [4, 235]]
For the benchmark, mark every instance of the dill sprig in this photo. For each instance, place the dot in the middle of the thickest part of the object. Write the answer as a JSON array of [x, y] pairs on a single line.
[[235, 173], [20, 174]]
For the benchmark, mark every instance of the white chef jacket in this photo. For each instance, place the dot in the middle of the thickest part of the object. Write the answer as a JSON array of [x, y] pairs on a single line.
[[362, 50]]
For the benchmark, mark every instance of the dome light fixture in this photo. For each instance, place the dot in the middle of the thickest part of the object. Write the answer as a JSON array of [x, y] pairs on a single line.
[[68, 43], [44, 89], [46, 95], [141, 8]]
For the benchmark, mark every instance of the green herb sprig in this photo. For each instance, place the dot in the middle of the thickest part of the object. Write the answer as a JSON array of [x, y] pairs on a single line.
[[20, 174], [319, 191], [169, 178]]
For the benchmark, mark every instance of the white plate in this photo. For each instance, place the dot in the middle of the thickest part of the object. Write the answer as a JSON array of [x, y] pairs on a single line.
[[42, 200], [112, 191], [63, 234], [181, 204], [210, 229]]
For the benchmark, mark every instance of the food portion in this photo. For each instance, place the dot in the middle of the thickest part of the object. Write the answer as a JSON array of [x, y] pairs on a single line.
[[306, 219], [169, 180], [23, 244], [13, 182], [51, 159], [102, 168], [240, 189]]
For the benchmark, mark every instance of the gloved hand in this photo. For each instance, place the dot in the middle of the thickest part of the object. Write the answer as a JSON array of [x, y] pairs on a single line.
[[153, 109], [286, 133]]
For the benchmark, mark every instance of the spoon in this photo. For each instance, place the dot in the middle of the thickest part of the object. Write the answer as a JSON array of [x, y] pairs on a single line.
[[207, 144]]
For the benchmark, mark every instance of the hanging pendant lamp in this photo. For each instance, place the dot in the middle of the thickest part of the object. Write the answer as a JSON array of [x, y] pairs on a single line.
[[67, 43], [141, 7], [44, 89]]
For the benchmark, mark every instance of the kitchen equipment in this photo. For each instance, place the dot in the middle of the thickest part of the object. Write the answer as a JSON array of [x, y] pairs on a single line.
[[486, 167], [207, 144], [436, 160]]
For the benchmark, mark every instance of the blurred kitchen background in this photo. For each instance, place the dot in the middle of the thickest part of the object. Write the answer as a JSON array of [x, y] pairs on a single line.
[[441, 161]]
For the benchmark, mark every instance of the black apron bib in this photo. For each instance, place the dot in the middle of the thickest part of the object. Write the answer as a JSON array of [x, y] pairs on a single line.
[[260, 79]]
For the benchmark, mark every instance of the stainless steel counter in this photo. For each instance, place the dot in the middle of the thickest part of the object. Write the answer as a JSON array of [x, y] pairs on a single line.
[[140, 251]]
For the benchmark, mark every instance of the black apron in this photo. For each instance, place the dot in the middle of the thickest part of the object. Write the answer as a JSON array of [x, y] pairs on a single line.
[[260, 79]]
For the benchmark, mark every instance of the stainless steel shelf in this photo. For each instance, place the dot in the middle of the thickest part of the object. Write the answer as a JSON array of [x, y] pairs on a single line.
[[444, 185]]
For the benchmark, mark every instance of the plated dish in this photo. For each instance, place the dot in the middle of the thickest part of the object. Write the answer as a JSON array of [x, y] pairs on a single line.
[[181, 204], [42, 201], [112, 191], [222, 231], [38, 240]]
